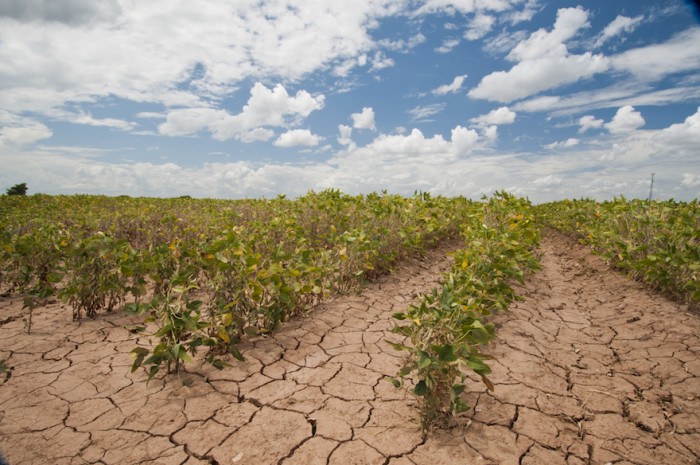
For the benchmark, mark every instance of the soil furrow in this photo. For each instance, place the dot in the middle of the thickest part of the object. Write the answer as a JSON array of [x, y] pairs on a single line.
[[590, 369]]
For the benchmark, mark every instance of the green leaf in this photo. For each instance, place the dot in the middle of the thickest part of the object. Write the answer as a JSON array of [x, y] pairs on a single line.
[[152, 372], [137, 354], [421, 388], [396, 345], [233, 350], [424, 360], [446, 353]]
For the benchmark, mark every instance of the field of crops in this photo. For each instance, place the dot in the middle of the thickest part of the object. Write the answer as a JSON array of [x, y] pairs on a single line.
[[206, 273], [656, 242]]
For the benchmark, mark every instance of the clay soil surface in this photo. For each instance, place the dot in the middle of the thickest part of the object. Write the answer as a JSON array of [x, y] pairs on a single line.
[[590, 369]]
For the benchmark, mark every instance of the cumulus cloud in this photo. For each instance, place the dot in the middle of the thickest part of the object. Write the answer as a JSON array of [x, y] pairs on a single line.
[[265, 107], [364, 119], [490, 133], [17, 131], [543, 62], [479, 26], [626, 119], [619, 25], [543, 43], [571, 142], [453, 87], [23, 135], [686, 134], [210, 48], [463, 139], [401, 163], [589, 122], [502, 115], [415, 146], [345, 137], [297, 138], [679, 54]]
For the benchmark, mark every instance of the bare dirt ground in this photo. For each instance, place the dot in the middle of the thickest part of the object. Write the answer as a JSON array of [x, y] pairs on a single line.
[[589, 369]]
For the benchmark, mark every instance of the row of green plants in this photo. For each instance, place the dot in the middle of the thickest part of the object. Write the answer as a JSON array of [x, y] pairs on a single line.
[[656, 242], [447, 328], [205, 273]]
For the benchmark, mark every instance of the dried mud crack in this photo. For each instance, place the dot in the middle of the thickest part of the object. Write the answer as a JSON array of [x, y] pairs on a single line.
[[590, 369]]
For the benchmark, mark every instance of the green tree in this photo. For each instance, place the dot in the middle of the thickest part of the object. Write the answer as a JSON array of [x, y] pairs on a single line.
[[17, 189]]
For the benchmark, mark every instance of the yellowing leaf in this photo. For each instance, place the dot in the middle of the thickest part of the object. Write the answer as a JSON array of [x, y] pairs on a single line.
[[223, 335]]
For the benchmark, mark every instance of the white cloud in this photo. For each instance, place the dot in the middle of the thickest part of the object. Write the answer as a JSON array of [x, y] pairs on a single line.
[[183, 54], [620, 94], [618, 25], [17, 131], [345, 137], [256, 135], [504, 42], [344, 68], [571, 142], [533, 76], [626, 119], [265, 107], [490, 133], [399, 163], [542, 43], [461, 6], [479, 26], [82, 117], [548, 181], [589, 122], [543, 62], [403, 45], [413, 147], [23, 135], [447, 45], [381, 61], [455, 86], [679, 54], [463, 139], [529, 10], [363, 120], [423, 113], [690, 180], [296, 138], [685, 134], [150, 115], [502, 115]]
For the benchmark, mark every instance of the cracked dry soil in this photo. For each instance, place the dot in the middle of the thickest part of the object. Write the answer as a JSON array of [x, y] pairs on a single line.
[[590, 369]]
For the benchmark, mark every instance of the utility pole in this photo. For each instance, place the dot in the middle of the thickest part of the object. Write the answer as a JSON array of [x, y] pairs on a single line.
[[651, 187]]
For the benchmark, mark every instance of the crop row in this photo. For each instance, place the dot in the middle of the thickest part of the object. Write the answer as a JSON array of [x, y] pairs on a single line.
[[656, 242], [446, 328], [207, 272]]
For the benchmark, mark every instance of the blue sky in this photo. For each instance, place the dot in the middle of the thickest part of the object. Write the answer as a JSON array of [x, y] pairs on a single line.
[[232, 99]]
